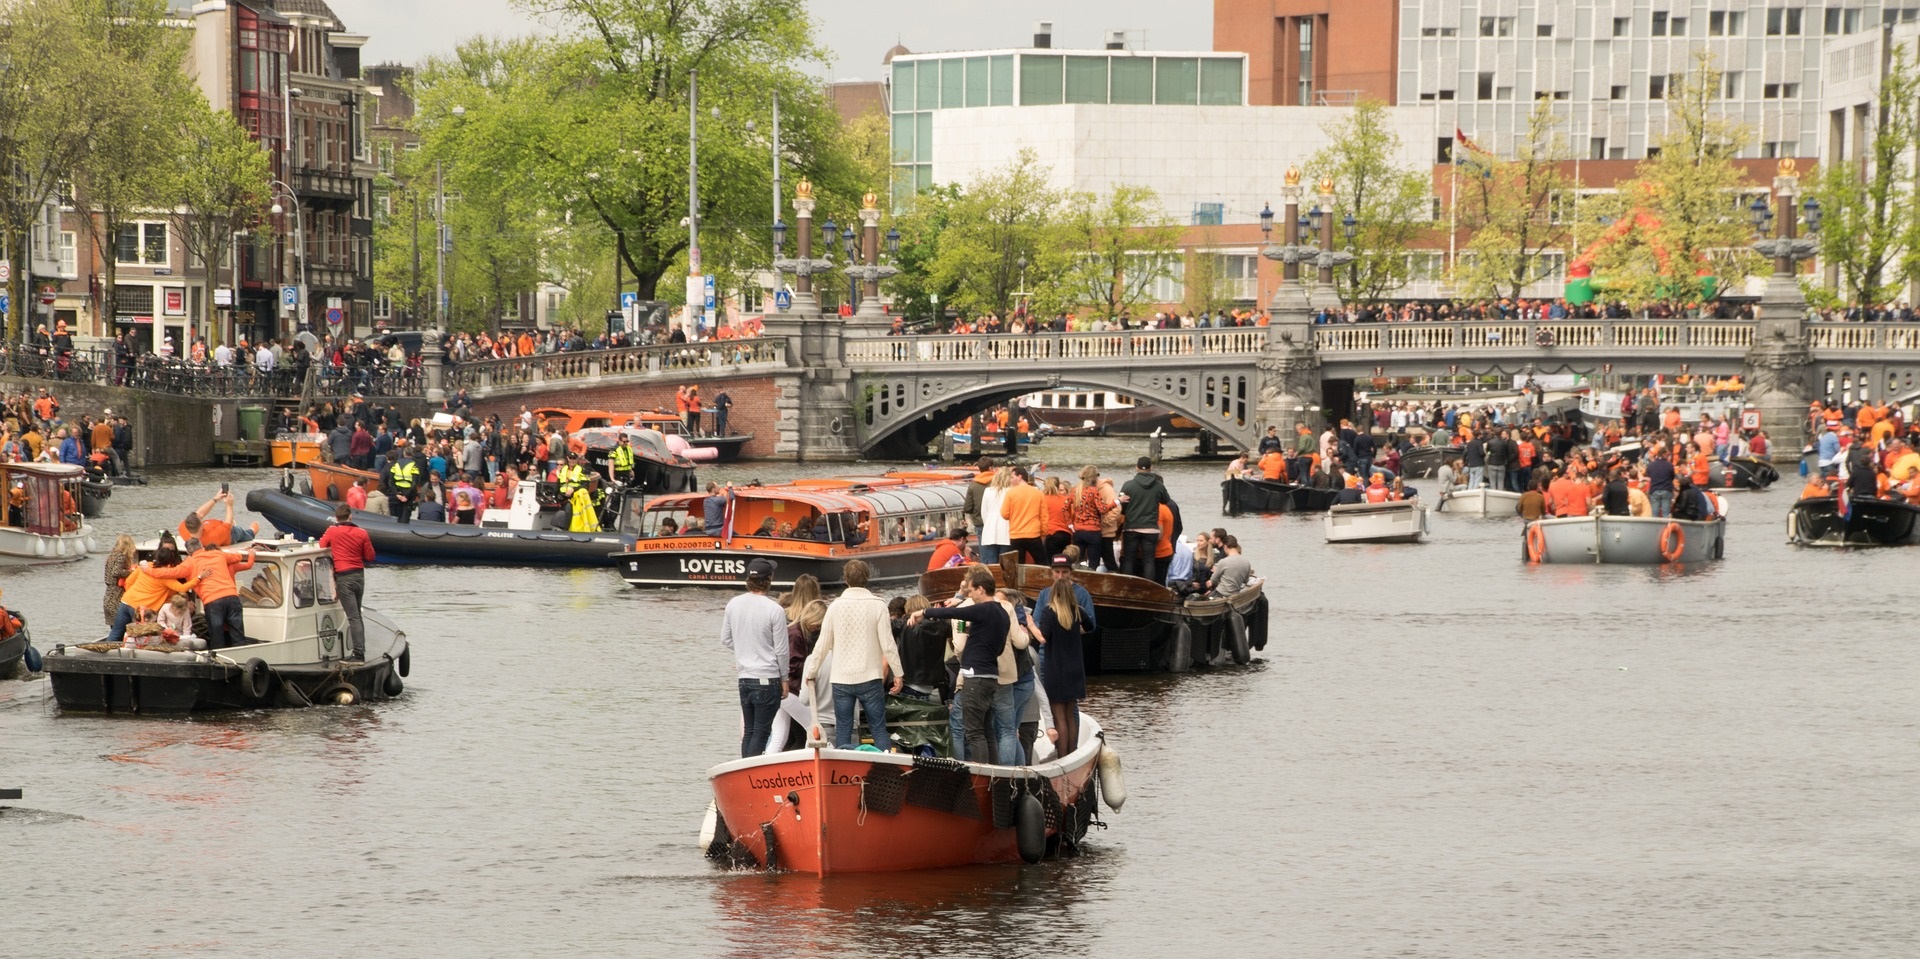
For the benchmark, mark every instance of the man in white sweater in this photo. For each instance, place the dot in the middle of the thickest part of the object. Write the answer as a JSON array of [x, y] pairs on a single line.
[[859, 634]]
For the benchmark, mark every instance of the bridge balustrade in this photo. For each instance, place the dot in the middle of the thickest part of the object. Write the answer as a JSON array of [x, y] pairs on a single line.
[[1027, 347], [674, 358]]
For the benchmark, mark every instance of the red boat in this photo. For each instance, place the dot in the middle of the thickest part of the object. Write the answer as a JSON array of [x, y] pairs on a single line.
[[824, 811]]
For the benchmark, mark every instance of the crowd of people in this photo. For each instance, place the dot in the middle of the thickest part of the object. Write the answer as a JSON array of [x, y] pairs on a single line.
[[1871, 451], [34, 429]]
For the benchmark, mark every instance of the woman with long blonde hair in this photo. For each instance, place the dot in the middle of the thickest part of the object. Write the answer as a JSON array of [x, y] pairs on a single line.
[[120, 560], [996, 534], [806, 589]]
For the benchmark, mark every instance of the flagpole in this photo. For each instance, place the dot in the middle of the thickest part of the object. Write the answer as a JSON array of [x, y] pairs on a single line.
[[1453, 203]]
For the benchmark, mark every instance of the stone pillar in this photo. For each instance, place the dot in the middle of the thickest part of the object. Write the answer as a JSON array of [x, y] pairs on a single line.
[[1778, 368], [1325, 295], [433, 364], [1289, 365], [870, 319]]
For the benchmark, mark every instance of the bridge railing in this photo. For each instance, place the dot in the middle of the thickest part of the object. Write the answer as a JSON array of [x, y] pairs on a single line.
[[1510, 335], [1864, 337], [1026, 347], [669, 359]]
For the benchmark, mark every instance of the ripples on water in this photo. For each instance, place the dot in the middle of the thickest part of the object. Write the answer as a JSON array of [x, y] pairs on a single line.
[[1442, 753]]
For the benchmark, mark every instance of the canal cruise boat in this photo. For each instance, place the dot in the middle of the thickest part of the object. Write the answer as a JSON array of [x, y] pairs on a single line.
[[893, 521], [44, 522]]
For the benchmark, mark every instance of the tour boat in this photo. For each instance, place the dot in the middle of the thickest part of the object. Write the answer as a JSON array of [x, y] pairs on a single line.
[[1395, 521], [44, 522], [1480, 502], [297, 641], [1630, 540], [1250, 494], [1816, 521], [831, 811], [524, 534], [893, 521], [295, 449], [1141, 625], [1068, 412], [1421, 462]]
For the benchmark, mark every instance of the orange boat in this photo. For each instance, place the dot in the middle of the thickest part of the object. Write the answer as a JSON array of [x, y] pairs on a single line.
[[295, 449], [826, 811], [893, 521]]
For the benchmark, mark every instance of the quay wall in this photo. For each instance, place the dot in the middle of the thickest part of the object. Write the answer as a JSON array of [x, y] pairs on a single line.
[[167, 430], [753, 404]]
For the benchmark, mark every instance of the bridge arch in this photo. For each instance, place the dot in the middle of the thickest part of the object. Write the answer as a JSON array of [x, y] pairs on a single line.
[[898, 415]]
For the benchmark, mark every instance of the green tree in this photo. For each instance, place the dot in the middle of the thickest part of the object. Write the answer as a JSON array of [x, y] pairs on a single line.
[[998, 220], [1121, 245], [1680, 218], [917, 296], [1870, 225], [1508, 203], [1204, 278], [218, 187], [1390, 203]]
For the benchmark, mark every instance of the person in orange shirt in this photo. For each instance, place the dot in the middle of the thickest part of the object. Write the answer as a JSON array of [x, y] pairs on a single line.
[[149, 586], [1059, 528], [1377, 491], [1025, 510], [214, 532], [1568, 496], [1864, 420], [212, 578], [951, 551], [1670, 420], [1702, 466], [1163, 549], [1274, 466]]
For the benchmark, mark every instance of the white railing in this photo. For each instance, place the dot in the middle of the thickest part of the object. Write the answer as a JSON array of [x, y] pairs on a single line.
[[1046, 347]]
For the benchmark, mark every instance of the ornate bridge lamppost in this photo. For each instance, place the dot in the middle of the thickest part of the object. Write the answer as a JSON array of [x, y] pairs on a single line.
[[1320, 220], [803, 266], [1779, 366], [1291, 295], [870, 317]]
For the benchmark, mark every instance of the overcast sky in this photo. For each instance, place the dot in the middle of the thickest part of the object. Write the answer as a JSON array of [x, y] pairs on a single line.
[[857, 31]]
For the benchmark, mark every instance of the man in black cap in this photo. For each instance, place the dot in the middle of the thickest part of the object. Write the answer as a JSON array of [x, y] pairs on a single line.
[[755, 628]]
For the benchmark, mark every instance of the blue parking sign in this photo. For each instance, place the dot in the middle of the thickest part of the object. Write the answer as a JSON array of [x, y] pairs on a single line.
[[289, 295]]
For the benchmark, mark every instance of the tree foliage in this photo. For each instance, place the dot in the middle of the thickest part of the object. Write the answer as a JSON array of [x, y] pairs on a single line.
[[996, 221], [217, 187], [1680, 218], [1121, 245], [1508, 204], [1872, 228], [1390, 203]]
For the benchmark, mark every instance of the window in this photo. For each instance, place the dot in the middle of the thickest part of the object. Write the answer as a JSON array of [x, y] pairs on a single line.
[[1305, 25], [1543, 30], [382, 306], [1656, 87], [1443, 150], [1784, 21], [1484, 90], [1220, 81], [1622, 26], [1426, 97], [1845, 21], [1677, 27], [1132, 79], [142, 244], [1730, 85], [133, 300], [1496, 26], [1503, 93], [1563, 94], [69, 254], [1659, 23], [1176, 80], [1652, 152], [1596, 148], [1726, 23], [1789, 91], [1086, 79], [1776, 148], [1617, 92], [1446, 94]]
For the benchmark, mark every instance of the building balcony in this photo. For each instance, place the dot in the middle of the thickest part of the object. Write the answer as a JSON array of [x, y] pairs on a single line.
[[322, 186]]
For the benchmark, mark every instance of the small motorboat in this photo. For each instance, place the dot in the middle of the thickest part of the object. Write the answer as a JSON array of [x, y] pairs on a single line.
[[1629, 540], [295, 653], [656, 467], [1742, 472], [94, 494], [825, 811], [1480, 502], [295, 449], [1816, 521], [706, 447], [1140, 625], [13, 650], [1246, 494], [1395, 521], [44, 521], [1421, 462]]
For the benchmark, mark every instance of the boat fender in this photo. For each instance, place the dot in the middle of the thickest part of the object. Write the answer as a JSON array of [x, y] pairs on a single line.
[[715, 838], [292, 696], [1180, 658], [255, 678], [406, 660], [392, 685], [1237, 634], [1030, 828], [32, 659], [1113, 782], [342, 694], [1673, 541]]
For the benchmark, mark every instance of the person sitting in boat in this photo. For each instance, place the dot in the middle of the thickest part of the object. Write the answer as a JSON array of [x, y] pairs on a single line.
[[950, 551], [17, 504], [1350, 494], [1378, 491], [821, 533], [767, 527], [1273, 466], [70, 517], [431, 510], [668, 527], [215, 532], [1615, 499], [1231, 573], [1816, 487], [176, 620], [586, 507], [1237, 466], [1690, 502]]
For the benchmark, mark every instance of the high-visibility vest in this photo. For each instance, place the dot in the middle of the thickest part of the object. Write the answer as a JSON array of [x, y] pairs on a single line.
[[405, 473], [622, 459]]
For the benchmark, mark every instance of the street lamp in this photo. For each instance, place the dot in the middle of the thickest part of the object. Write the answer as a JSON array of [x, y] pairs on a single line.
[[1266, 220], [1293, 248], [1759, 214], [870, 318], [853, 280], [893, 240], [1788, 247], [279, 189], [779, 237], [1349, 226]]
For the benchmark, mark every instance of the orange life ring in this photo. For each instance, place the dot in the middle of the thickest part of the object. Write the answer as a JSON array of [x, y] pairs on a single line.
[[1536, 543], [1673, 540]]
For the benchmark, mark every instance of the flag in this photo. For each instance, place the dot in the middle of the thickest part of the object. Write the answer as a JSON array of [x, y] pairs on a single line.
[[726, 521], [1467, 141], [1845, 502]]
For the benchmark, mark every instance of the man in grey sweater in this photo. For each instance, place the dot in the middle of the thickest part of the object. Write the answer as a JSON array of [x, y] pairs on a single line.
[[859, 635]]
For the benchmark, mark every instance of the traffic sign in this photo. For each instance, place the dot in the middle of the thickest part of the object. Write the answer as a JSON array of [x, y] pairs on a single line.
[[3, 303], [6, 271], [782, 300], [336, 316], [289, 295], [709, 299], [629, 300]]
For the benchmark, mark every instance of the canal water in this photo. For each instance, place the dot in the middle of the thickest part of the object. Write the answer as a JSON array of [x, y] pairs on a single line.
[[1442, 752]]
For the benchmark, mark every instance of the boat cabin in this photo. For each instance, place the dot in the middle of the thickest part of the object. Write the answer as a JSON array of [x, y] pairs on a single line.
[[43, 498], [854, 511], [292, 610]]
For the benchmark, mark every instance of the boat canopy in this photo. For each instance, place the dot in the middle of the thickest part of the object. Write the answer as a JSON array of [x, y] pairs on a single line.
[[893, 508]]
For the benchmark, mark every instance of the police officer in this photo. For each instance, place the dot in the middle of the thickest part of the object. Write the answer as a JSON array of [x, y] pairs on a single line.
[[402, 482], [570, 477], [620, 460]]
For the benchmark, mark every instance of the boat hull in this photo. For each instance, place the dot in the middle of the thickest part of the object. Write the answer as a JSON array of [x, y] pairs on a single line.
[[93, 497], [1816, 521], [1143, 419], [20, 546], [12, 650], [1422, 462], [1628, 540], [1745, 472], [449, 543], [282, 453], [726, 448], [1401, 521], [830, 811], [1480, 502], [726, 566], [1245, 495]]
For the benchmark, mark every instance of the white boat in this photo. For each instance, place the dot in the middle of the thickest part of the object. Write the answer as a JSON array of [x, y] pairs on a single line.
[[43, 522], [1399, 521], [1480, 502], [1631, 540]]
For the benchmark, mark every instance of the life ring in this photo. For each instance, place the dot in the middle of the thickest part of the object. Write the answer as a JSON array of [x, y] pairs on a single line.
[[1536, 543], [406, 660], [1673, 541], [1030, 828], [255, 678], [1543, 337]]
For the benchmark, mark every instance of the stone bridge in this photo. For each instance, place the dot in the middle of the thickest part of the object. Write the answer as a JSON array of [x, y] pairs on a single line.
[[835, 390]]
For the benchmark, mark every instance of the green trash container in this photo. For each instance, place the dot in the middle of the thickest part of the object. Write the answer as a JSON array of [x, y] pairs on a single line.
[[253, 422]]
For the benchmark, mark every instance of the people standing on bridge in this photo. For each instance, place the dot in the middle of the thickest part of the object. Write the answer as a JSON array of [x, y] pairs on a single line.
[[1140, 500]]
